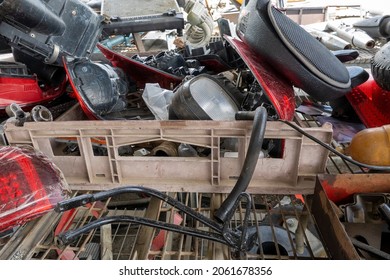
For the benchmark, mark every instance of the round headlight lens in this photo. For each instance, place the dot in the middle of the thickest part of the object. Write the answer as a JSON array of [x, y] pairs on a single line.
[[206, 97], [213, 99]]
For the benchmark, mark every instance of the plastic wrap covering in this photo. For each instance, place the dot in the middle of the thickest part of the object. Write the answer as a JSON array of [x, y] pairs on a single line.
[[30, 186]]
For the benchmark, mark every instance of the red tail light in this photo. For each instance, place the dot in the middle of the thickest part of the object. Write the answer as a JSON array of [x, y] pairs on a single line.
[[278, 90], [30, 186], [25, 91], [371, 103]]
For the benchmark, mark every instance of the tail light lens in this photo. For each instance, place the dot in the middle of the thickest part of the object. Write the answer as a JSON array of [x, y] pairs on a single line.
[[30, 186]]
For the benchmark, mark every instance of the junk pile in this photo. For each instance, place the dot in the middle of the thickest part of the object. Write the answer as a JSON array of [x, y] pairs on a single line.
[[64, 52]]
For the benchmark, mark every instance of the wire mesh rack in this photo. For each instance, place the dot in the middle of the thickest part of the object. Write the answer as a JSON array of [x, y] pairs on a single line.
[[283, 226]]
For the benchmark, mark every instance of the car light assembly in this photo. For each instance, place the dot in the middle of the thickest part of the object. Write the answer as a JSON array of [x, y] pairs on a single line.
[[30, 186], [205, 97]]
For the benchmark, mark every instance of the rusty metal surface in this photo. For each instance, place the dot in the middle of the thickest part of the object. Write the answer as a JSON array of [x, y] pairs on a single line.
[[333, 233], [341, 186]]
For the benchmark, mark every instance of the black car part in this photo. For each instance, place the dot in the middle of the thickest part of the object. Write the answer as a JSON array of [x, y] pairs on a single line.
[[205, 97], [384, 210], [48, 30], [100, 87], [259, 119], [240, 239], [268, 235], [376, 27], [173, 63], [122, 25], [370, 249], [380, 67], [52, 75], [291, 50]]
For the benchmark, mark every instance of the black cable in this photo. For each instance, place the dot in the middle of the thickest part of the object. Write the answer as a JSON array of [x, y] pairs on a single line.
[[333, 150], [70, 236], [101, 196], [370, 249]]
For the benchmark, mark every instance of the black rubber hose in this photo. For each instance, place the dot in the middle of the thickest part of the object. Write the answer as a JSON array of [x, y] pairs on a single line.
[[32, 14], [252, 156], [370, 249], [384, 210]]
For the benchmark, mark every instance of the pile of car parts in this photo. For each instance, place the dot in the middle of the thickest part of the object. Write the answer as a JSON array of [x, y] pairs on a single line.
[[215, 129]]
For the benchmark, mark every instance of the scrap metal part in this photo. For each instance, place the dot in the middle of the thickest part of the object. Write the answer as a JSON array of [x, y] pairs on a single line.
[[49, 30], [38, 113]]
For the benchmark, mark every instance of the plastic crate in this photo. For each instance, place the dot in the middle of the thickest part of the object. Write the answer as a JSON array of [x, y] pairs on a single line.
[[293, 172]]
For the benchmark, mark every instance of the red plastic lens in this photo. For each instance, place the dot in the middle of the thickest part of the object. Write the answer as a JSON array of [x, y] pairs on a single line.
[[30, 185], [278, 90]]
